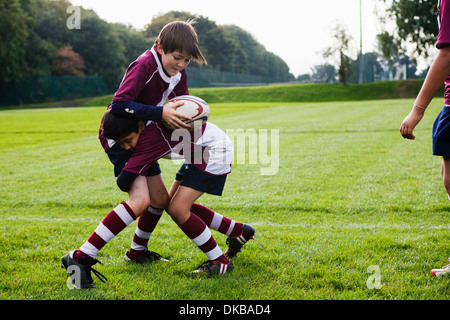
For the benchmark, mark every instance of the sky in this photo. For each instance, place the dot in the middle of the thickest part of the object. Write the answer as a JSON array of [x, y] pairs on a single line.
[[298, 31]]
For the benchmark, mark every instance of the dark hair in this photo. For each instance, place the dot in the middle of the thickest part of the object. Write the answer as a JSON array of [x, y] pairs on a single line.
[[116, 127], [181, 36]]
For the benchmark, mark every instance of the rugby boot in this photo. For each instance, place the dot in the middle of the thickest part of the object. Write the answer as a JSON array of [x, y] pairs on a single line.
[[235, 244], [80, 272]]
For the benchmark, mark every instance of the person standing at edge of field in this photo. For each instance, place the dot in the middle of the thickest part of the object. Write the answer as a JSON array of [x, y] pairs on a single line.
[[157, 75], [438, 74]]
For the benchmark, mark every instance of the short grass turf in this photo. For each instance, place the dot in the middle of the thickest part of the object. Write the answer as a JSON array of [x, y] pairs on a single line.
[[350, 194]]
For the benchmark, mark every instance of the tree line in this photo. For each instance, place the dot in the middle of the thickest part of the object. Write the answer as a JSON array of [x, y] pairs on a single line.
[[36, 41]]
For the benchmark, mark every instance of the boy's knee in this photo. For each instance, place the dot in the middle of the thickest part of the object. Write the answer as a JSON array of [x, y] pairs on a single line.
[[173, 210], [139, 205], [161, 201], [178, 213]]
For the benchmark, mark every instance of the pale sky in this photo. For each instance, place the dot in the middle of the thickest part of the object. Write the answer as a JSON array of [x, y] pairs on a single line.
[[297, 31]]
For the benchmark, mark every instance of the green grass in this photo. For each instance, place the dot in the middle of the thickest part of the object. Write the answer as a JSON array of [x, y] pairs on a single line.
[[313, 92], [309, 92], [350, 193]]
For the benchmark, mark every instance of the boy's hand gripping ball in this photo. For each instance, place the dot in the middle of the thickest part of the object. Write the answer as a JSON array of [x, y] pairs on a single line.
[[193, 107]]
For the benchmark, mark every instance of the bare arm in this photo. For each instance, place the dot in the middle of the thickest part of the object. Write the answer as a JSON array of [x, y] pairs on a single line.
[[439, 71]]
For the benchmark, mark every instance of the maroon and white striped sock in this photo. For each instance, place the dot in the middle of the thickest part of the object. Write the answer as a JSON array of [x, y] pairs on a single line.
[[145, 226], [196, 229], [111, 225], [217, 222]]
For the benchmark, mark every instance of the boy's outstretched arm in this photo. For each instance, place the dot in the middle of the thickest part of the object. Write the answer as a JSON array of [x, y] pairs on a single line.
[[439, 71]]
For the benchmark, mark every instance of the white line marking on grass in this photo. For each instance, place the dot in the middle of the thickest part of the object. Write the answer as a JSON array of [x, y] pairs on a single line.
[[350, 226]]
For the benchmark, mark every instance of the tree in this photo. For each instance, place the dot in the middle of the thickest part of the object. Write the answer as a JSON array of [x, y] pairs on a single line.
[[96, 42], [134, 41], [323, 73], [43, 30], [415, 33], [227, 48], [13, 35], [306, 77], [100, 47], [214, 41], [372, 68], [416, 22], [388, 45], [35, 41], [340, 48], [154, 27], [67, 62]]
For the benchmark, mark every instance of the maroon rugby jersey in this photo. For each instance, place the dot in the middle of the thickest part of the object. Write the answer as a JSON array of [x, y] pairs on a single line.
[[208, 148], [147, 83]]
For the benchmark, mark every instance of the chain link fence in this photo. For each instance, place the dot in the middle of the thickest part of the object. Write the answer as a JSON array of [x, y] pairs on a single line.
[[46, 89]]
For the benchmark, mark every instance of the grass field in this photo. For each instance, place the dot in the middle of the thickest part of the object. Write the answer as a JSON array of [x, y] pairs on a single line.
[[305, 92], [314, 92], [350, 194]]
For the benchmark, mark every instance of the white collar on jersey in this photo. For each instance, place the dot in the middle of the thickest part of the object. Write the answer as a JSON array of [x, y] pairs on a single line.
[[163, 75]]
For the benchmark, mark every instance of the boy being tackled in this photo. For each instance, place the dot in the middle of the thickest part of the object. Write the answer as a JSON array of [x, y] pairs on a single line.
[[208, 153], [148, 142]]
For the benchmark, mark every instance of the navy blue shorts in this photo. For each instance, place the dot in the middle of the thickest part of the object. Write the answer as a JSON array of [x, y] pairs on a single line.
[[441, 133], [119, 158], [192, 177]]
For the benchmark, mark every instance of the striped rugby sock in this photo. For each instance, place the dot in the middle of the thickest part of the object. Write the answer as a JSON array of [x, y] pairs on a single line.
[[196, 229], [217, 222], [145, 226], [111, 225]]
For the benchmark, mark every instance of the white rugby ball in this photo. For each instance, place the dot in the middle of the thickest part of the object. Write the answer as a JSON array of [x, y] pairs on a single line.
[[193, 107]]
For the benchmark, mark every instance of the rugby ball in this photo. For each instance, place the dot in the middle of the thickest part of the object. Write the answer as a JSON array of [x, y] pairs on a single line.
[[193, 107]]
